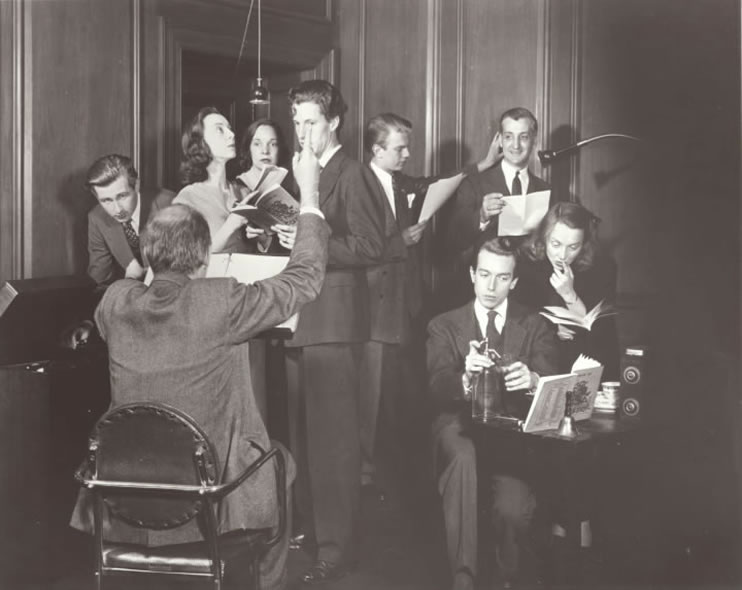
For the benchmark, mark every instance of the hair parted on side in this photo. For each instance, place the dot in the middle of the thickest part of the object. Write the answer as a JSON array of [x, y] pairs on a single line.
[[572, 215], [107, 169], [196, 153], [176, 239], [326, 96], [518, 113], [380, 126], [502, 246]]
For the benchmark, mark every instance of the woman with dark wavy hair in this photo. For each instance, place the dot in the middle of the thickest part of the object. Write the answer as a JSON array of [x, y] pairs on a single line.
[[561, 264], [208, 144], [263, 145]]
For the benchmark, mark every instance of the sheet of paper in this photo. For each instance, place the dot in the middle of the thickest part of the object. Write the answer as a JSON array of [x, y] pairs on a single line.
[[248, 269], [438, 193], [523, 213]]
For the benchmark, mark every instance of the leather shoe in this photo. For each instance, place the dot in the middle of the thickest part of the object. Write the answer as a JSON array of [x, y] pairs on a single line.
[[324, 571], [298, 541]]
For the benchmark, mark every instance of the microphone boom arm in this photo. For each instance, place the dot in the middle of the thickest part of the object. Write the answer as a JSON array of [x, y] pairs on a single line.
[[548, 156]]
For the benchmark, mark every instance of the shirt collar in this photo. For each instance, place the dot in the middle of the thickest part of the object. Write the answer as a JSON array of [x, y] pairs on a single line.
[[135, 216], [481, 313], [328, 153], [508, 170]]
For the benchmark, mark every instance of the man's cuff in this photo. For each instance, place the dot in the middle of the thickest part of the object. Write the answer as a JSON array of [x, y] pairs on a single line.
[[483, 226], [310, 209]]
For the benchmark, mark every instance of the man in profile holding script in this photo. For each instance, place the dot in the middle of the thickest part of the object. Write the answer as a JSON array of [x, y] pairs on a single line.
[[453, 361]]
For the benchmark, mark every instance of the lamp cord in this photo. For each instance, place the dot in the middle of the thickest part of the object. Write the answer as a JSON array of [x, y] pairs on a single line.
[[260, 39], [244, 36]]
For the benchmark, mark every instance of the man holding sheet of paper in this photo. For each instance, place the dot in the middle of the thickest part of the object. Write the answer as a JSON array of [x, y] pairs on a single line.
[[392, 361], [486, 204]]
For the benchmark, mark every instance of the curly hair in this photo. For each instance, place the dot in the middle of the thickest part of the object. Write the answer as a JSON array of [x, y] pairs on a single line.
[[572, 215], [249, 134], [196, 153]]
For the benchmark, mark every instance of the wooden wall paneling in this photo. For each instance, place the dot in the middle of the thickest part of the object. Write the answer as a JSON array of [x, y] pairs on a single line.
[[396, 68], [501, 47], [81, 107], [350, 26], [12, 54]]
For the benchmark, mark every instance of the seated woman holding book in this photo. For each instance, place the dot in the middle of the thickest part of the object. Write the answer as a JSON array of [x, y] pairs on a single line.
[[263, 152], [561, 265]]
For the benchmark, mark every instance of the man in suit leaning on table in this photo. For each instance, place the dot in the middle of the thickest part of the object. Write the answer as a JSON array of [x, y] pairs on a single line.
[[322, 357], [180, 341], [478, 201], [114, 223], [390, 365], [453, 360]]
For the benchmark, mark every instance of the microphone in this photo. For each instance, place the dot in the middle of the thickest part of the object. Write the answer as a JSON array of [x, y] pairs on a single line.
[[548, 157]]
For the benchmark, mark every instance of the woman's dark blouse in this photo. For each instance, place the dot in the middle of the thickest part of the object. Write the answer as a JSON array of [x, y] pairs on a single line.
[[592, 285]]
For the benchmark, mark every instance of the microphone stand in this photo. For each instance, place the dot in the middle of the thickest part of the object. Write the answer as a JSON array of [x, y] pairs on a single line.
[[549, 156]]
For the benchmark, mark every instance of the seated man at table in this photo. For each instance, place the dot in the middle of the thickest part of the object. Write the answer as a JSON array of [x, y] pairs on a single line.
[[180, 341], [453, 361]]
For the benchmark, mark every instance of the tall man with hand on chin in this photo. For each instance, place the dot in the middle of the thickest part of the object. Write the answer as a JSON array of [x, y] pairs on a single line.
[[322, 357]]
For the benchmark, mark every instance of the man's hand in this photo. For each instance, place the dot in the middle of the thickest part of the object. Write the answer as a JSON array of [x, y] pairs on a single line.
[[286, 234], [412, 234], [475, 362], [518, 376], [492, 204], [306, 173], [134, 271], [494, 153]]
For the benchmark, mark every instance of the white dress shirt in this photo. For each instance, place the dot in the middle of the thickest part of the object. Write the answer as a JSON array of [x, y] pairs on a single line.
[[386, 182], [480, 312], [509, 171]]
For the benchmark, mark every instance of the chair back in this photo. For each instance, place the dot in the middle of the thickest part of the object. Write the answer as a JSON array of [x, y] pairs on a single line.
[[149, 443]]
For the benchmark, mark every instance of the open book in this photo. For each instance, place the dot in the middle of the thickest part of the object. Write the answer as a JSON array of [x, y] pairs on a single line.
[[269, 203], [522, 213], [250, 268], [562, 315], [550, 398]]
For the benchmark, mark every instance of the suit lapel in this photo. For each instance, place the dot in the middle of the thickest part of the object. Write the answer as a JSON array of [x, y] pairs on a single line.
[[329, 175], [514, 334], [468, 328]]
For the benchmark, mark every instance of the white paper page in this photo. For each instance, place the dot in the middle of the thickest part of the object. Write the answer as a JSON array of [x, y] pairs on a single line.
[[547, 407], [438, 193], [248, 269], [523, 213]]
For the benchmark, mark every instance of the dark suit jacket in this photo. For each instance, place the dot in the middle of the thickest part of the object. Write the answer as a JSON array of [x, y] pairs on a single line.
[[396, 285], [108, 251], [527, 337], [462, 230], [180, 342], [341, 312]]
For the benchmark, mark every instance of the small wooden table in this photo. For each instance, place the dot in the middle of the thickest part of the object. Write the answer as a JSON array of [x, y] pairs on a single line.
[[562, 471]]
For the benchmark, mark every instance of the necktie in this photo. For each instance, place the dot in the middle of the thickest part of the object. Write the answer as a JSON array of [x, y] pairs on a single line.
[[133, 239], [494, 338], [400, 204], [517, 187]]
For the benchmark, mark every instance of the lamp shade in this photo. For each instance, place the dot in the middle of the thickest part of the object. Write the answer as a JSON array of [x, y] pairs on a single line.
[[260, 94]]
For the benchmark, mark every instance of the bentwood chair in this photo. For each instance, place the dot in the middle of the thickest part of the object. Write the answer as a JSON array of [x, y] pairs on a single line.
[[152, 467]]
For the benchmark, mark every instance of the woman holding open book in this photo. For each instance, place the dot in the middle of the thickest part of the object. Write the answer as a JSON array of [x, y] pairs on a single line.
[[263, 154], [561, 265]]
